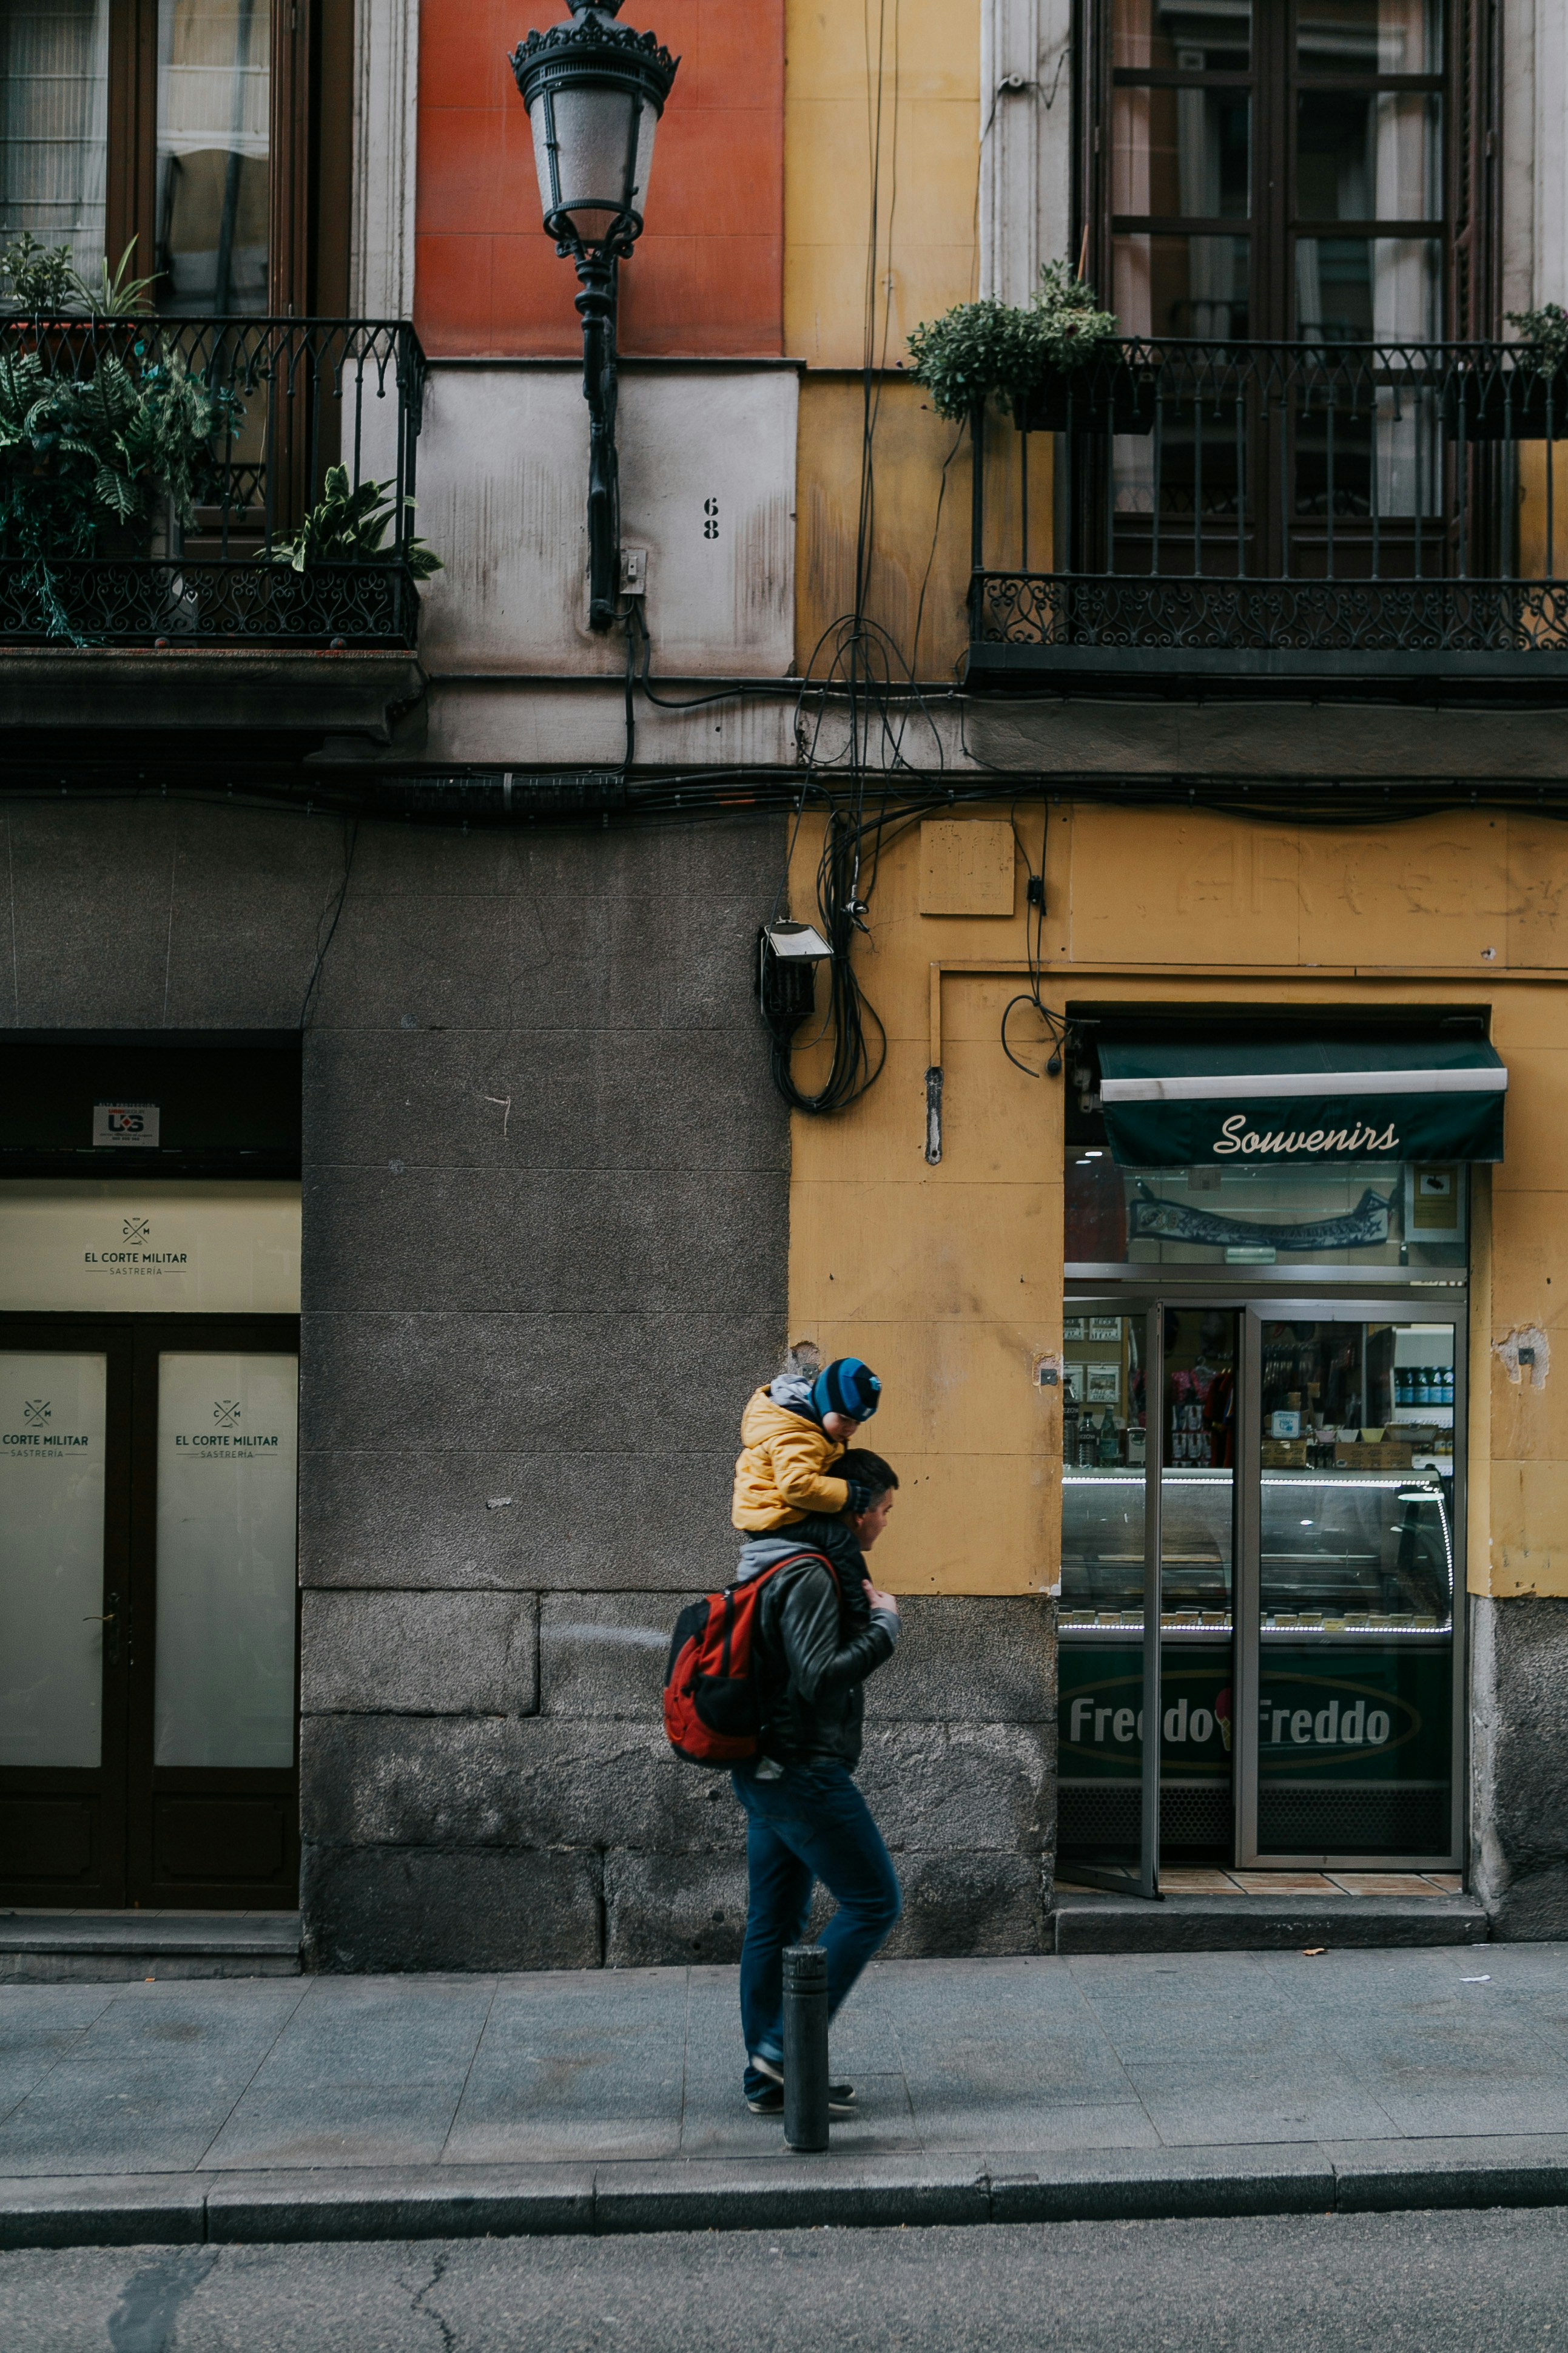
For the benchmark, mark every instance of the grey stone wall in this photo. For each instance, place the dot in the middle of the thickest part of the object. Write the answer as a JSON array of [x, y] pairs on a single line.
[[546, 1255], [545, 1260], [562, 1831], [1519, 1771]]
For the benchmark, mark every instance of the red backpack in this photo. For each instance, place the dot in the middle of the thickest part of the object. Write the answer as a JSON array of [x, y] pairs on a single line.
[[712, 1708]]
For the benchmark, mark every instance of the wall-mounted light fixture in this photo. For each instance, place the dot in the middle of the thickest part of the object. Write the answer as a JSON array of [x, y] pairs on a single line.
[[797, 942], [594, 92]]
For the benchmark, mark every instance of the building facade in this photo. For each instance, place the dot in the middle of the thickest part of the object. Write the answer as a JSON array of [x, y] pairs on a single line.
[[408, 1161]]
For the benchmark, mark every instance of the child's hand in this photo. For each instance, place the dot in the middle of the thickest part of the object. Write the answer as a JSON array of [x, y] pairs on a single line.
[[877, 1601]]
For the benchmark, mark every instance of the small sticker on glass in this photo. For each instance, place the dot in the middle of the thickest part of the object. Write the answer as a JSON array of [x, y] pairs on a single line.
[[123, 1126]]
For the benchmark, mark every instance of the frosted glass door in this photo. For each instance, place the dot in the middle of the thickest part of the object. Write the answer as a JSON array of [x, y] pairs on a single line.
[[226, 1469], [52, 1432]]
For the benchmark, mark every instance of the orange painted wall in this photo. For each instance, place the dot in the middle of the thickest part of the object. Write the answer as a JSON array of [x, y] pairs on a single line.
[[708, 274]]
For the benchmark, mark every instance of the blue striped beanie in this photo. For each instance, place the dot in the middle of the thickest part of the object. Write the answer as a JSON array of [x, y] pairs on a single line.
[[846, 1386]]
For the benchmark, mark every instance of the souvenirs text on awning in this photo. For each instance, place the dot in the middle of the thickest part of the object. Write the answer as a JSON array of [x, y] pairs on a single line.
[[1174, 1103]]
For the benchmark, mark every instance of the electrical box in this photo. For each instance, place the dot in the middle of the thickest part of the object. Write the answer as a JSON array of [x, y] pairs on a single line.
[[966, 867]]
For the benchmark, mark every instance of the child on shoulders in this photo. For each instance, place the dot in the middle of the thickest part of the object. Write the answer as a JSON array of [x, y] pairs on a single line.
[[791, 1431]]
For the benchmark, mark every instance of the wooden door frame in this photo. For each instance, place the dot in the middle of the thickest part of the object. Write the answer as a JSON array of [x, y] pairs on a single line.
[[311, 149]]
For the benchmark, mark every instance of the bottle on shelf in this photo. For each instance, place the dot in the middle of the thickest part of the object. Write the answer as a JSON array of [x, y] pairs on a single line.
[[1109, 1449]]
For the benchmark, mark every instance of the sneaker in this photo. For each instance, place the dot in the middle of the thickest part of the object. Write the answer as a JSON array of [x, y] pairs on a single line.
[[767, 2100], [838, 2095]]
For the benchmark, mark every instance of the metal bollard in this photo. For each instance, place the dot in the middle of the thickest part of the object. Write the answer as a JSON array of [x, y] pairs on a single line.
[[805, 2046]]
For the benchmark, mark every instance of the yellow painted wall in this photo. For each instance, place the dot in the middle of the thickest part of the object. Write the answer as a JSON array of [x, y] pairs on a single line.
[[921, 126], [921, 529], [1542, 553], [949, 1280], [918, 134]]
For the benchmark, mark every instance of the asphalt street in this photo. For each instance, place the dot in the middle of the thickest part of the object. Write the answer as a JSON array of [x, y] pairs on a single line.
[[1323, 2284]]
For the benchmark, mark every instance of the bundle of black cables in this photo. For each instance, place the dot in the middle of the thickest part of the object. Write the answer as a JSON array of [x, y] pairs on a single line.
[[859, 1042]]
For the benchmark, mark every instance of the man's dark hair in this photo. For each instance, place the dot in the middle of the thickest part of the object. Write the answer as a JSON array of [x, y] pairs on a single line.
[[868, 1469]]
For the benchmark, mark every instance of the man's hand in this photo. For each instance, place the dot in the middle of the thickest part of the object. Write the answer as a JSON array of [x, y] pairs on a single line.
[[877, 1601]]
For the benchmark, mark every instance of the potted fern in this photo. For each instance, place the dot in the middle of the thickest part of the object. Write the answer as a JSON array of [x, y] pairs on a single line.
[[347, 526], [1058, 366], [102, 425]]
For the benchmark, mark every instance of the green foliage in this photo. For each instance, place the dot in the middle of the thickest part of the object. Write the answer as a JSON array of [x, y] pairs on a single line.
[[1070, 324], [979, 351], [43, 282], [83, 452], [995, 351], [96, 429], [116, 294], [347, 526], [36, 278], [1547, 328]]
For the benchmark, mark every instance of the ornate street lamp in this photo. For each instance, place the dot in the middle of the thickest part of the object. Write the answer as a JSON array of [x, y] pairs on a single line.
[[594, 92]]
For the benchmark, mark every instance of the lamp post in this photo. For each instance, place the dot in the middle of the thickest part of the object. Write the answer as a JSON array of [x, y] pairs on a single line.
[[594, 92]]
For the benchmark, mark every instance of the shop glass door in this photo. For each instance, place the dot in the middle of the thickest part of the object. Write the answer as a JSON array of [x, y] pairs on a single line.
[[1293, 1470], [1197, 1437], [1350, 1588], [1151, 1419], [1108, 1658], [63, 1589], [148, 1610]]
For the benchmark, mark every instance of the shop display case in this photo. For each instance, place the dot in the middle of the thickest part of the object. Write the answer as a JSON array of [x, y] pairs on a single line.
[[1356, 1591]]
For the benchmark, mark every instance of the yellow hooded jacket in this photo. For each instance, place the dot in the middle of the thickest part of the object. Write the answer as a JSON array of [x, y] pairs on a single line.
[[779, 1477]]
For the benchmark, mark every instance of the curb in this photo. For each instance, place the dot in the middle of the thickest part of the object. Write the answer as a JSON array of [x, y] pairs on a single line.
[[779, 2194]]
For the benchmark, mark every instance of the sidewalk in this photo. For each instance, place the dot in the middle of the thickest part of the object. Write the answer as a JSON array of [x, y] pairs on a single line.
[[1067, 2088]]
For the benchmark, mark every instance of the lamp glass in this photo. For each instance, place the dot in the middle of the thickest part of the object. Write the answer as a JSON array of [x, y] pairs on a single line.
[[595, 170]]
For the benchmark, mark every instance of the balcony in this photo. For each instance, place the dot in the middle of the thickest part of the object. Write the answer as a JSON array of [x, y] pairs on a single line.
[[1280, 517], [227, 430]]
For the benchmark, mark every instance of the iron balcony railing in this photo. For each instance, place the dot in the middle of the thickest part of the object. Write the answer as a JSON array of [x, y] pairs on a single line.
[[255, 411], [1282, 509]]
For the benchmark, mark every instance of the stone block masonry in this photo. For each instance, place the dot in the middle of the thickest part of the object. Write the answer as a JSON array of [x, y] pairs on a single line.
[[1520, 1697], [574, 1795]]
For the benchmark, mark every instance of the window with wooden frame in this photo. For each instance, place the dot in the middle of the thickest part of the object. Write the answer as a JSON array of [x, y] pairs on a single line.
[[212, 137], [1292, 170], [1293, 200]]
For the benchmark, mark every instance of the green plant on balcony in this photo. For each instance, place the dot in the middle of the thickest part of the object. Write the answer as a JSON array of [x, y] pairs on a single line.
[[1009, 354], [348, 525], [97, 430], [1525, 400], [43, 282], [80, 454], [1546, 329]]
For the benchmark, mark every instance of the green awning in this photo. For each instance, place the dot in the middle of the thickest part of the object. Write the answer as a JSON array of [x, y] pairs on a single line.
[[1320, 1100]]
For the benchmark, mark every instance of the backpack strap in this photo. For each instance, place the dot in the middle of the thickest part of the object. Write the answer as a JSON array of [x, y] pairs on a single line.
[[792, 1561]]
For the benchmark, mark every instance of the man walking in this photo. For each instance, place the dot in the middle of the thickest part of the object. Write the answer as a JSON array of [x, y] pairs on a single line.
[[823, 1628]]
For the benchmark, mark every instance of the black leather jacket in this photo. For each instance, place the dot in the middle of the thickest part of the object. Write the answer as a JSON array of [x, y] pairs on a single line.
[[815, 1646]]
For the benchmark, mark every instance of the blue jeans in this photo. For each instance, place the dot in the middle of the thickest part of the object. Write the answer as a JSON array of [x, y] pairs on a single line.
[[813, 1824]]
